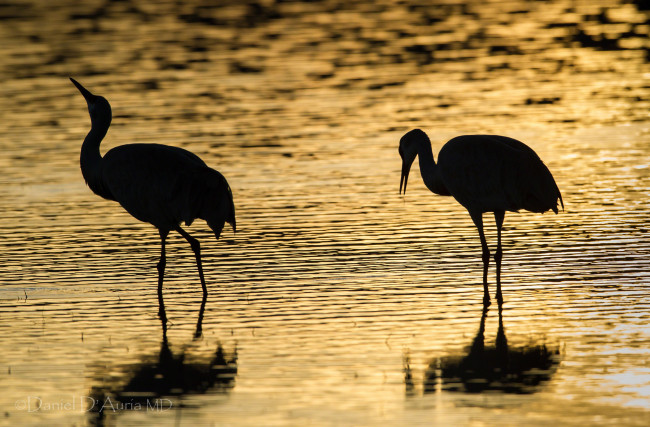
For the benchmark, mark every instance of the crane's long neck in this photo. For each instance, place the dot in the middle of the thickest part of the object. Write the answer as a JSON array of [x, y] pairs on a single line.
[[430, 171], [91, 159]]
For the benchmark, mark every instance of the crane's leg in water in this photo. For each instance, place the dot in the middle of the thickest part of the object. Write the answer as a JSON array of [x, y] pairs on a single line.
[[161, 275], [477, 217], [498, 216], [196, 247], [198, 332]]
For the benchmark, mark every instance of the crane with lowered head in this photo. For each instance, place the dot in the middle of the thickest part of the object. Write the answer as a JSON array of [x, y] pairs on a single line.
[[484, 173]]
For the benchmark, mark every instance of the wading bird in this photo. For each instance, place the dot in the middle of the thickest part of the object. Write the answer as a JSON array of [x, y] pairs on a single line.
[[484, 173], [155, 183]]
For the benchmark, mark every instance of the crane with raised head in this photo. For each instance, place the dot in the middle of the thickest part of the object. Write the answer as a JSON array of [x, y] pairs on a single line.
[[159, 184], [484, 173]]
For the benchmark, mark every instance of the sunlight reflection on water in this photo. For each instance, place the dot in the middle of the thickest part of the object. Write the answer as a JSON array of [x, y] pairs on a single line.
[[333, 280]]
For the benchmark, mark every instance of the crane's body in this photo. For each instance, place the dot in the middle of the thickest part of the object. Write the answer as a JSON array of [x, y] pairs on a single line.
[[159, 184], [154, 195], [484, 173]]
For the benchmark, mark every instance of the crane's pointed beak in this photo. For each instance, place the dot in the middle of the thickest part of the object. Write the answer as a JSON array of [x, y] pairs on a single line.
[[85, 92], [406, 168]]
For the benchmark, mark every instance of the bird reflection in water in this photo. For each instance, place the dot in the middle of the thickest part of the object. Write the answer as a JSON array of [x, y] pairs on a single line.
[[160, 381], [499, 368]]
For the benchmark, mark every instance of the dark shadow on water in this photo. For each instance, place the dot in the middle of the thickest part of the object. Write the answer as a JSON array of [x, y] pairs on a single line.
[[502, 367], [160, 381]]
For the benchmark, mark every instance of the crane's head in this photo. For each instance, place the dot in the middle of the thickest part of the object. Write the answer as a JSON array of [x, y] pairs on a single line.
[[98, 106], [408, 150]]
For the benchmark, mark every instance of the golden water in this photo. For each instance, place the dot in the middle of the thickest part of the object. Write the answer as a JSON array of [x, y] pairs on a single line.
[[338, 299]]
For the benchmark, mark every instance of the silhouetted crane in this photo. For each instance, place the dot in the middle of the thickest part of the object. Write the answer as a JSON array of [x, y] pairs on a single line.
[[155, 183], [484, 173]]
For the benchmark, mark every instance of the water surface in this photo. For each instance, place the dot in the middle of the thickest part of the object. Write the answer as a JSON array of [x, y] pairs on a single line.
[[338, 301]]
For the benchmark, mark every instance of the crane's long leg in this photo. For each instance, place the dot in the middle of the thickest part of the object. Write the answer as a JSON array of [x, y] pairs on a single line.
[[196, 247], [198, 332], [498, 216], [477, 217], [161, 275]]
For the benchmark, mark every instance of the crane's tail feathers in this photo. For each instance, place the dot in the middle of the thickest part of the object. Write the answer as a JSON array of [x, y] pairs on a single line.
[[558, 196], [216, 228], [231, 218]]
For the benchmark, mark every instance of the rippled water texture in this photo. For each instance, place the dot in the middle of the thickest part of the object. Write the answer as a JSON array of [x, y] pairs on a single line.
[[338, 301]]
